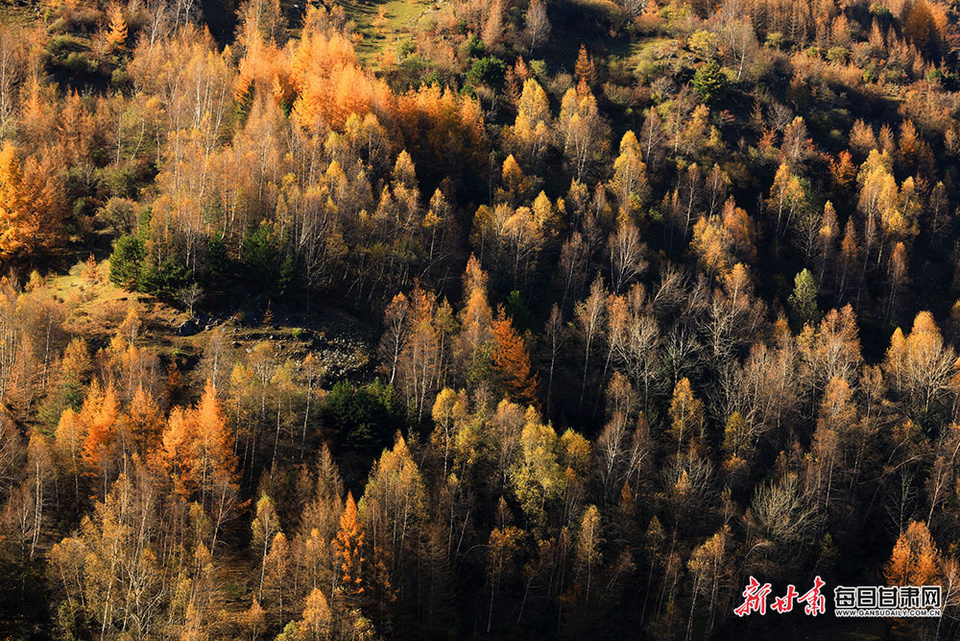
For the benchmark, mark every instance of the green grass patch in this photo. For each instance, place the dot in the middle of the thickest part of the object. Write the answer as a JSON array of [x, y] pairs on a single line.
[[384, 24]]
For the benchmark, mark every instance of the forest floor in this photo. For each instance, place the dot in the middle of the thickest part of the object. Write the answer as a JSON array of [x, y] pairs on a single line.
[[97, 308]]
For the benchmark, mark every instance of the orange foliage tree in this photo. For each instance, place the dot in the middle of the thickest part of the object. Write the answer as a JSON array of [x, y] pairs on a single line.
[[915, 557], [349, 549], [198, 446], [100, 415], [511, 361], [29, 204]]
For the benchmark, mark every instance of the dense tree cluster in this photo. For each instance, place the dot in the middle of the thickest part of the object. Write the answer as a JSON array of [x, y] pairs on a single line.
[[659, 308]]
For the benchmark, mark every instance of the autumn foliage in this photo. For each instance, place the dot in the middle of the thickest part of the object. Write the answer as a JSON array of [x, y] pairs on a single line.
[[507, 319]]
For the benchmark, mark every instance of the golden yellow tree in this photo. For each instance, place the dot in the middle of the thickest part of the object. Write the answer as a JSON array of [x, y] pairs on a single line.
[[30, 202], [531, 131], [16, 227], [117, 31], [915, 557], [686, 414], [630, 175]]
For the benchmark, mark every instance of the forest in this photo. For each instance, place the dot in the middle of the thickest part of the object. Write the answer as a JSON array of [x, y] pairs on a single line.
[[457, 319]]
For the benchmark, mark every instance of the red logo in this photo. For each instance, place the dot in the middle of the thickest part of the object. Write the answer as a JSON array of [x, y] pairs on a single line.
[[755, 599]]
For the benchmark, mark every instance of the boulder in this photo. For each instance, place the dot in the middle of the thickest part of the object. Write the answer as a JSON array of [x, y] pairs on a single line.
[[187, 328]]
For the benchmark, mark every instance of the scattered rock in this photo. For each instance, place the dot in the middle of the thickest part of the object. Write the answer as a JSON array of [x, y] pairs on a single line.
[[187, 328]]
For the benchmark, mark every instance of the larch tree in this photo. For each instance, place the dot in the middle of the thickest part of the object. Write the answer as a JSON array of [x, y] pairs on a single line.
[[394, 509], [29, 210], [511, 361], [117, 30], [276, 568], [176, 442], [493, 25], [145, 421], [100, 415], [863, 138], [515, 185], [843, 170], [687, 418], [915, 559], [921, 27], [317, 620], [212, 451], [585, 69], [213, 462], [629, 175], [254, 620], [322, 512], [349, 549], [476, 323]]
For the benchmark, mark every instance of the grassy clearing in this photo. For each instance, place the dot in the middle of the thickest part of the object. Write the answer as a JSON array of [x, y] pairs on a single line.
[[634, 53], [95, 309], [384, 24]]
